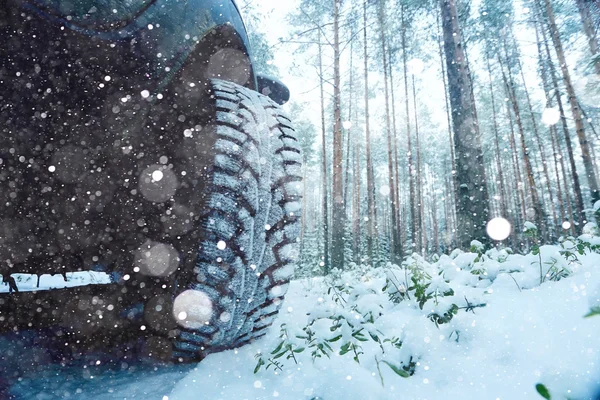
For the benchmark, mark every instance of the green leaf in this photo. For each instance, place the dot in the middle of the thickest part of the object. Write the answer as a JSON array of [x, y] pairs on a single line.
[[279, 355], [398, 371], [543, 391], [374, 337], [593, 312], [335, 339], [258, 365], [300, 350], [278, 349]]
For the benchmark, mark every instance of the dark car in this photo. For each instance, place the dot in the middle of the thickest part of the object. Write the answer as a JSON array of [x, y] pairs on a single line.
[[137, 139]]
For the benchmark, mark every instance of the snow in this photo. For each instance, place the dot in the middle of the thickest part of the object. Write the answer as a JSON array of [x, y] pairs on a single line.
[[28, 282], [498, 229], [521, 337], [506, 333], [550, 116], [192, 309]]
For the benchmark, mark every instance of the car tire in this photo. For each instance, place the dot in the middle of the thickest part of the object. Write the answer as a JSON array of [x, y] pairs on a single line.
[[248, 231]]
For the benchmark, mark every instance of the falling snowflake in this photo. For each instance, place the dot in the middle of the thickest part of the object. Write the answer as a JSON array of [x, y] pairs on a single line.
[[498, 229], [550, 116]]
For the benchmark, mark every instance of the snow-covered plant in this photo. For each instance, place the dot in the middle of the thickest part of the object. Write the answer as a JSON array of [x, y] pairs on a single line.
[[530, 230], [478, 248], [555, 271], [286, 347]]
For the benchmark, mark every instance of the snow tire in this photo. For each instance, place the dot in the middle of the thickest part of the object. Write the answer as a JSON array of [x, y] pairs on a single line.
[[249, 230]]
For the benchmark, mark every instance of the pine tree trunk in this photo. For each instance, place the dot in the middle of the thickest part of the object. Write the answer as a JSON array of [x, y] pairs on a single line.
[[399, 219], [556, 169], [325, 211], [422, 243], [372, 213], [535, 203], [516, 161], [356, 231], [337, 221], [575, 110], [540, 148], [411, 183], [567, 134], [394, 239], [472, 204], [349, 131], [552, 129], [452, 191], [502, 197]]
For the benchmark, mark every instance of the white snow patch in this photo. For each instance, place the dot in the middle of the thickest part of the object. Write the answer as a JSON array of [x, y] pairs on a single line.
[[522, 337]]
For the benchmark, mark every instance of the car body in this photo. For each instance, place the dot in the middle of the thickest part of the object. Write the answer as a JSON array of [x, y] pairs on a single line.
[[116, 120]]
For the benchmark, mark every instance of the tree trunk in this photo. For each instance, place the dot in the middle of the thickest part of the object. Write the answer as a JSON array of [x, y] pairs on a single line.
[[538, 140], [413, 212], [450, 139], [327, 265], [516, 161], [502, 197], [337, 221], [565, 128], [372, 213], [576, 111], [552, 129], [401, 230], [356, 235], [349, 131], [395, 245], [472, 204], [422, 243], [535, 202]]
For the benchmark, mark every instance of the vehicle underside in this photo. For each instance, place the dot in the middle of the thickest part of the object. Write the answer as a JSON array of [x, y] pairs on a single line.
[[122, 152]]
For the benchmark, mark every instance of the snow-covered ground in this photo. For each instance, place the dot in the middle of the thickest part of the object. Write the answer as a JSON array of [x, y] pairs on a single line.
[[29, 282], [499, 333]]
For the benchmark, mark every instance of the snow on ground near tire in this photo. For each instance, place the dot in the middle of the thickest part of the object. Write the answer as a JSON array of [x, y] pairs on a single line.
[[28, 282], [522, 337]]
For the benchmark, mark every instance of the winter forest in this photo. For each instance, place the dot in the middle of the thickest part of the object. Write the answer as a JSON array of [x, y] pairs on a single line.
[[436, 117]]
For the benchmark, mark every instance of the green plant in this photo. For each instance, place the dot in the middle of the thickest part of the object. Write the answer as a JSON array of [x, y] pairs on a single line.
[[531, 232], [284, 348], [593, 312], [479, 249], [543, 391], [398, 370], [420, 288], [555, 272], [445, 317], [535, 250]]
